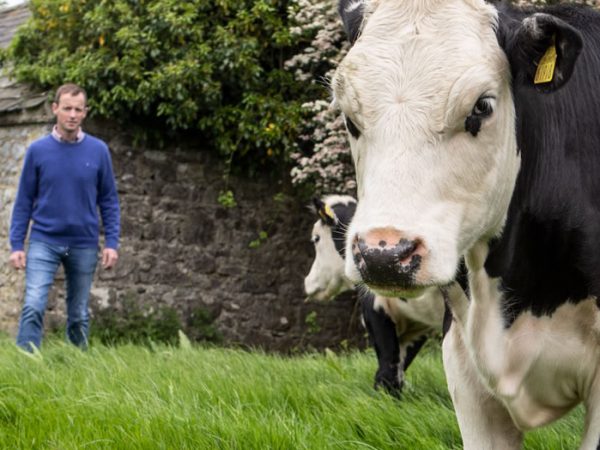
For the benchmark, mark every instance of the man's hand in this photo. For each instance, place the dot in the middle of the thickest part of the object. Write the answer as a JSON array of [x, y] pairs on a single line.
[[109, 258], [17, 259]]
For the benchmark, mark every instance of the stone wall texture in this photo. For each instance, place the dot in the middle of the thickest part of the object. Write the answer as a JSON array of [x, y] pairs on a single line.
[[182, 249], [13, 144]]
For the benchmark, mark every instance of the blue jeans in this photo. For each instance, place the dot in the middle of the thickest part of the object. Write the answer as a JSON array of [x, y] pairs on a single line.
[[41, 265]]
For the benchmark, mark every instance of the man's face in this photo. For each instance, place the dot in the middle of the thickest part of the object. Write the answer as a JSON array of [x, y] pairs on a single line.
[[70, 112]]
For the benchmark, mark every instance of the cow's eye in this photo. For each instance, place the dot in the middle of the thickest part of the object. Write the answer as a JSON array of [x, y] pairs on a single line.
[[482, 109], [315, 239], [352, 129]]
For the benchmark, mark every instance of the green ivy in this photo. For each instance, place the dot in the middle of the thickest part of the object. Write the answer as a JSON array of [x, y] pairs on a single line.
[[135, 324], [227, 199], [201, 326], [262, 238], [213, 67], [312, 323]]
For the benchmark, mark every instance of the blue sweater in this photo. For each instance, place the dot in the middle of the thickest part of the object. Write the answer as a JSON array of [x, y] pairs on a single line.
[[61, 188]]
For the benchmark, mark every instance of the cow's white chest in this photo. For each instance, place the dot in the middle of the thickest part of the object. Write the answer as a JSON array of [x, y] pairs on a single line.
[[540, 367], [427, 309]]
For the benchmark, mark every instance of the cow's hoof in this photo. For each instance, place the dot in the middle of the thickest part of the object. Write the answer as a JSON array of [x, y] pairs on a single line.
[[389, 383]]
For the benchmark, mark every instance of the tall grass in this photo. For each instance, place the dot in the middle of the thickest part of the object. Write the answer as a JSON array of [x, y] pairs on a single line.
[[134, 397]]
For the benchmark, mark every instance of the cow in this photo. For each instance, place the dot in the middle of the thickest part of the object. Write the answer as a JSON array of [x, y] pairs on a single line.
[[475, 130], [397, 329]]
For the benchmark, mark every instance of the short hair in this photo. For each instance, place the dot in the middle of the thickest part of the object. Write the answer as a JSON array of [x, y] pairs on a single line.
[[69, 88]]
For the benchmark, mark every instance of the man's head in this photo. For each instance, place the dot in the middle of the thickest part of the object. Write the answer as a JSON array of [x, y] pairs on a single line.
[[70, 108]]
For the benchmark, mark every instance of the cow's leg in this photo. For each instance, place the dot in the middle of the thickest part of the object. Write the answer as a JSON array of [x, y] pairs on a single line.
[[382, 332], [591, 435], [483, 421], [412, 350]]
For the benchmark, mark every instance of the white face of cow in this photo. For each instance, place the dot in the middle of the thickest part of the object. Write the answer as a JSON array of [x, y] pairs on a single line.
[[326, 278], [426, 94]]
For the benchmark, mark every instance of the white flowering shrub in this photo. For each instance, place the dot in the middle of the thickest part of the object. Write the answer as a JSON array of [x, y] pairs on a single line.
[[322, 157]]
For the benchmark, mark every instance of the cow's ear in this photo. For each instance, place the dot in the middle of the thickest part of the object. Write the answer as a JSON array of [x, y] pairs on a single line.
[[352, 14], [325, 212], [545, 49]]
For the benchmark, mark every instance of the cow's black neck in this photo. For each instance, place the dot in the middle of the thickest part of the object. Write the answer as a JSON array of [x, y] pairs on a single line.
[[549, 252]]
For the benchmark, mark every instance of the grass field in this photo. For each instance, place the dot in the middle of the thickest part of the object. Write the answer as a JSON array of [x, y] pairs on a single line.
[[134, 397]]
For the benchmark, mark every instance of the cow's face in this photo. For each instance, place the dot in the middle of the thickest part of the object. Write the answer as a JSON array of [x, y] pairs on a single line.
[[326, 278], [426, 92]]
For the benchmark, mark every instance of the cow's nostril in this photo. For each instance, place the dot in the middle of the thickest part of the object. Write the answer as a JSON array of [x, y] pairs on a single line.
[[382, 243], [405, 249]]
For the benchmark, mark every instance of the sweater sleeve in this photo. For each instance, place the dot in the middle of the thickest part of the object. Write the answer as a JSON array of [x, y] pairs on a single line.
[[108, 201], [23, 206]]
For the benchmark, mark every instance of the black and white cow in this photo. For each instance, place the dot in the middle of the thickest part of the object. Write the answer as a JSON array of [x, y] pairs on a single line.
[[397, 329], [475, 131]]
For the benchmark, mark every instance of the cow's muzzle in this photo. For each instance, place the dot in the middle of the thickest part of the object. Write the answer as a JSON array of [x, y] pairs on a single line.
[[387, 259]]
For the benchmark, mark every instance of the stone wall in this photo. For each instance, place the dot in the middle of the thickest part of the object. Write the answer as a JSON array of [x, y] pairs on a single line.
[[13, 143], [181, 249]]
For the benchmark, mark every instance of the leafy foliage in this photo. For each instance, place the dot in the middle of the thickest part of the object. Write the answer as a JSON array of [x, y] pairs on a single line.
[[214, 66], [227, 199], [136, 324], [262, 237]]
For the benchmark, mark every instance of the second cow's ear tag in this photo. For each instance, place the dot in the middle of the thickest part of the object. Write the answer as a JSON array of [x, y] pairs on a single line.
[[546, 66], [327, 214]]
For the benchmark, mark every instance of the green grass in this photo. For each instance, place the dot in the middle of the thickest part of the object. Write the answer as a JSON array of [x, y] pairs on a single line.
[[134, 397]]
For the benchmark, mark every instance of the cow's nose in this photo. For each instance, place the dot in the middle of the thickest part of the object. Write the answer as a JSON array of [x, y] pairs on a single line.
[[387, 257]]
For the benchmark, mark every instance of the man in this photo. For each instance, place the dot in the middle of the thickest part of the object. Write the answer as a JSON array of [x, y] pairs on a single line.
[[67, 176]]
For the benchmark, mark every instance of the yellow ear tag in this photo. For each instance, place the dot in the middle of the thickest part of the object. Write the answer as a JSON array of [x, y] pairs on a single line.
[[326, 212], [545, 69]]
